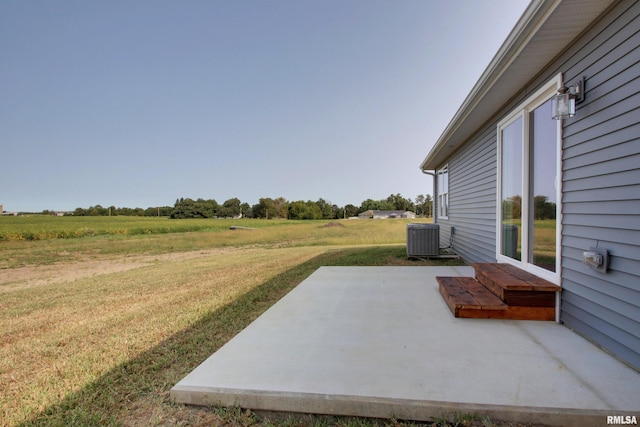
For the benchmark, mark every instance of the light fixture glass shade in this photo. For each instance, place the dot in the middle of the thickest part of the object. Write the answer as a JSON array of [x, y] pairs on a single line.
[[563, 106]]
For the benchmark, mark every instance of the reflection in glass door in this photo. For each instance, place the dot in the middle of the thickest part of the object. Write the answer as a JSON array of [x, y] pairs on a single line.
[[528, 221], [543, 194], [511, 183]]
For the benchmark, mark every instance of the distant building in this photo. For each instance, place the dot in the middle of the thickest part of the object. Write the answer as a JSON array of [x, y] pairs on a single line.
[[2, 211], [376, 214]]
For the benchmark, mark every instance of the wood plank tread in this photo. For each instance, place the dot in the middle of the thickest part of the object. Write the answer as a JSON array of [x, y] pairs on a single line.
[[468, 298], [468, 293], [510, 278]]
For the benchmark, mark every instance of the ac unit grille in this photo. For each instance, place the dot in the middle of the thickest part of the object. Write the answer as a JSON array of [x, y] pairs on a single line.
[[423, 240]]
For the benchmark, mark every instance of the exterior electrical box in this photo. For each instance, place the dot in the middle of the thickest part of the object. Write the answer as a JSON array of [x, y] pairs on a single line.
[[423, 240]]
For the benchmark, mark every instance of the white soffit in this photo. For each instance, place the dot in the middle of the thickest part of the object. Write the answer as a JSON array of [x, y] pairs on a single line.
[[545, 29]]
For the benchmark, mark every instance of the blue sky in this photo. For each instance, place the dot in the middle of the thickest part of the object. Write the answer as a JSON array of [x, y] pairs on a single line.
[[138, 103]]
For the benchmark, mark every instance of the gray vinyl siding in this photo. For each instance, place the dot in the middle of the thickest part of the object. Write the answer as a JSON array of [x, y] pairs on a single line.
[[601, 185], [472, 199]]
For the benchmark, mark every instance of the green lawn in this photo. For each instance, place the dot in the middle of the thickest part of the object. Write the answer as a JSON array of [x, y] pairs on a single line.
[[37, 227]]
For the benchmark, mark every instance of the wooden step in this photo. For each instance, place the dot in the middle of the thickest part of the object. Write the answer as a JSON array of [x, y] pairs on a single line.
[[516, 287], [468, 298]]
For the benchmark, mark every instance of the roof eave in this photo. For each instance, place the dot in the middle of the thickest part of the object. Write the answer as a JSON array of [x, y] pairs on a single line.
[[495, 67], [513, 67]]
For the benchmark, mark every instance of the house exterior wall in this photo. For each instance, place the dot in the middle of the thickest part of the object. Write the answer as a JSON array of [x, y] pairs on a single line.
[[472, 199], [600, 184]]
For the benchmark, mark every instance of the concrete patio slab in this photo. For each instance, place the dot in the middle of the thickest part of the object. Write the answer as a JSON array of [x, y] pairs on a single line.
[[380, 342]]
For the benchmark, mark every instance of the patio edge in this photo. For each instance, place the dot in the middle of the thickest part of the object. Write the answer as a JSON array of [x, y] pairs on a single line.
[[385, 408]]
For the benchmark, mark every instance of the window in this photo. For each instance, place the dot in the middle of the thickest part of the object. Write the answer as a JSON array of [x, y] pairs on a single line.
[[529, 147], [443, 192]]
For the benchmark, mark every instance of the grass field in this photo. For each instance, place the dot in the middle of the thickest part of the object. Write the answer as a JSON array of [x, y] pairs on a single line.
[[97, 329], [37, 227]]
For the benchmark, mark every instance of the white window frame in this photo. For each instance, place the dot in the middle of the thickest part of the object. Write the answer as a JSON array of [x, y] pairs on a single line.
[[442, 176], [534, 101]]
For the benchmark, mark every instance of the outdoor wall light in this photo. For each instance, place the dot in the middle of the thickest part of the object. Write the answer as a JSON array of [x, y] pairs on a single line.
[[563, 105], [596, 258]]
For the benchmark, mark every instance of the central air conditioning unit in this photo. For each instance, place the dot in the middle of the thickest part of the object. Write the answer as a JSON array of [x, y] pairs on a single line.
[[423, 240]]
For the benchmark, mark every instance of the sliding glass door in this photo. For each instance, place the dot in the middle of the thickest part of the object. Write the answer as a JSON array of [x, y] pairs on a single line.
[[528, 187]]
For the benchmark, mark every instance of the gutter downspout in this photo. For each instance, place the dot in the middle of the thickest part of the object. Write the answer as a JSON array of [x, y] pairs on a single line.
[[433, 199]]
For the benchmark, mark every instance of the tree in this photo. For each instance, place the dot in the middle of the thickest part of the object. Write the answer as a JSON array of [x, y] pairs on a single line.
[[369, 204], [337, 212], [298, 210], [399, 203], [265, 208], [304, 210], [512, 208], [184, 208], [188, 208], [96, 210], [543, 209], [246, 211], [282, 207], [419, 204], [424, 205], [230, 208], [428, 205], [350, 210], [207, 208], [325, 209], [385, 205], [158, 211]]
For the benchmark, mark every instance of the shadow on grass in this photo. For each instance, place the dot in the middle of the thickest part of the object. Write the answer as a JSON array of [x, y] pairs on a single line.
[[137, 391]]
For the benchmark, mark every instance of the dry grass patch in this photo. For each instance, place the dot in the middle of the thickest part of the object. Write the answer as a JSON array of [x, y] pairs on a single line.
[[105, 347], [58, 338]]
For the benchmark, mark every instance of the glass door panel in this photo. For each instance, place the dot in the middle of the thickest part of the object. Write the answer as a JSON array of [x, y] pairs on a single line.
[[511, 184], [542, 195], [529, 200]]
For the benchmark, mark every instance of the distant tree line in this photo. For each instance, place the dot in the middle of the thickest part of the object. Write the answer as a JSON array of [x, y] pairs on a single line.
[[98, 210], [265, 208], [299, 209], [542, 207]]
